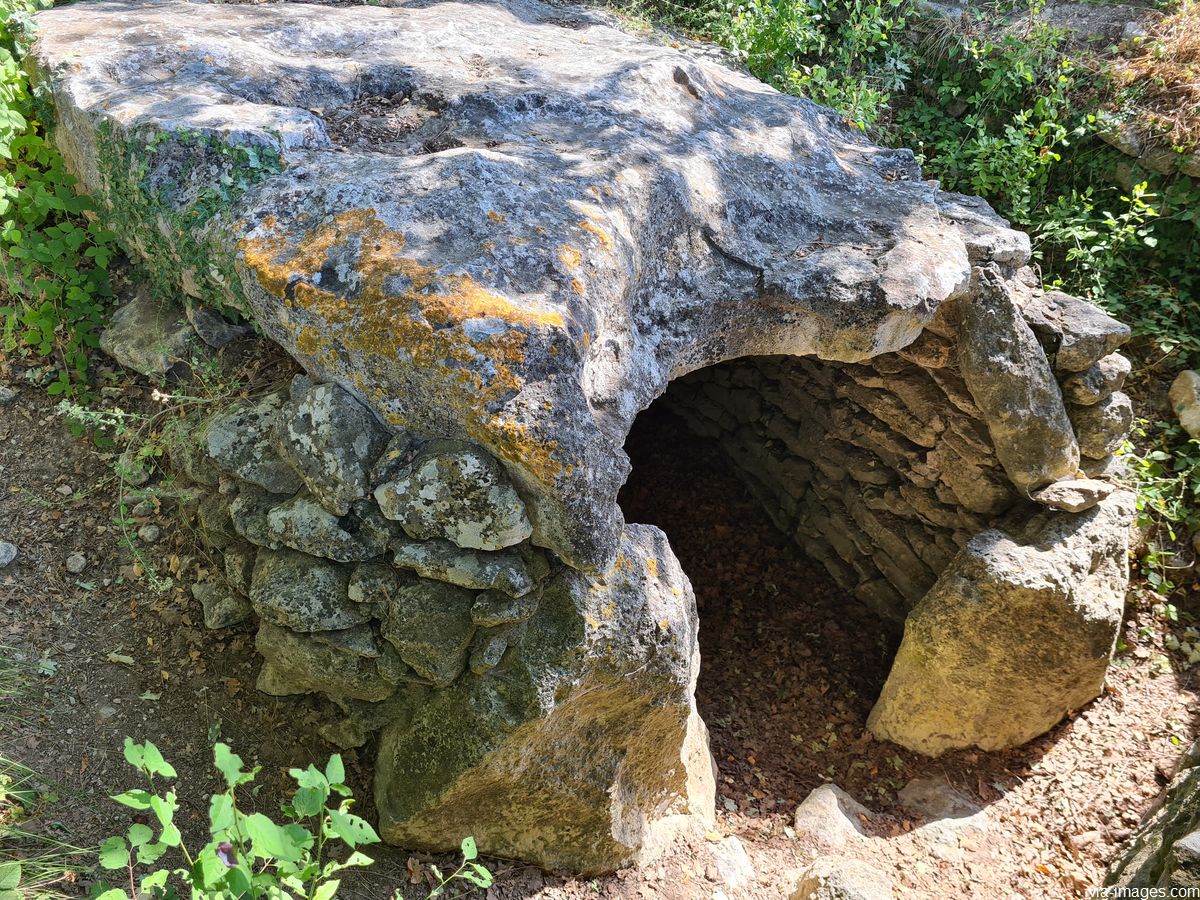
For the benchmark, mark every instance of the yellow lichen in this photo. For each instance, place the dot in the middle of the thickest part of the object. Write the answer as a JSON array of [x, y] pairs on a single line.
[[496, 217], [401, 306], [569, 256], [601, 235]]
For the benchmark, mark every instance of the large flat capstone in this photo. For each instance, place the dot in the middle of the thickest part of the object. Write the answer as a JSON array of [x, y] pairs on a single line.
[[498, 222]]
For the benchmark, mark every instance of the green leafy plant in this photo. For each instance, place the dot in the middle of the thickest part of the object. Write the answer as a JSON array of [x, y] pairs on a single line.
[[248, 855], [53, 259]]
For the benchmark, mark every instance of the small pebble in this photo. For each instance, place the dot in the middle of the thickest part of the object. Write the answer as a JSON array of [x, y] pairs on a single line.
[[142, 509], [149, 534], [106, 712], [65, 490], [7, 395], [8, 552], [76, 563]]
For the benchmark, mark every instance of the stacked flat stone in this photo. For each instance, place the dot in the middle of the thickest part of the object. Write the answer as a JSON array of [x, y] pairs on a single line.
[[375, 561]]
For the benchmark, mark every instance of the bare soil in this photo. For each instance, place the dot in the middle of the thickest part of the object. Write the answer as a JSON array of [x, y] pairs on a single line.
[[791, 666]]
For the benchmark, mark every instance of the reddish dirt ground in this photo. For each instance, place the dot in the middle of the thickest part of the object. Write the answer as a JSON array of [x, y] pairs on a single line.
[[790, 669]]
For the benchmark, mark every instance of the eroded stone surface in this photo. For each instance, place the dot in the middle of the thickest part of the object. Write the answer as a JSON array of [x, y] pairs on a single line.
[[302, 592], [579, 743]]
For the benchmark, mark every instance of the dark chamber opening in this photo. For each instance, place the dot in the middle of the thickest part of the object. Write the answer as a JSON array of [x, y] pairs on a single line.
[[790, 663]]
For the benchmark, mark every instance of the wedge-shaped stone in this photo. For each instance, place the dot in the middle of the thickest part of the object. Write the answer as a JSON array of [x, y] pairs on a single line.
[[348, 663], [505, 570], [331, 440], [239, 441]]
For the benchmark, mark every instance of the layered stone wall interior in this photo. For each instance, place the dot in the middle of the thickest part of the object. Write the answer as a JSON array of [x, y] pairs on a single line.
[[884, 470]]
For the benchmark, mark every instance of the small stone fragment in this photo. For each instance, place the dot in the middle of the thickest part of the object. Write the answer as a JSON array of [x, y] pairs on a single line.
[[456, 492], [842, 878], [732, 864], [149, 534], [303, 593], [494, 608], [76, 563], [1074, 495], [935, 798], [1185, 400], [332, 440], [213, 328], [223, 608], [1102, 428], [502, 570], [343, 663], [1097, 381], [249, 515], [8, 553], [305, 525], [487, 649], [7, 395], [149, 336], [239, 566], [240, 442], [831, 817]]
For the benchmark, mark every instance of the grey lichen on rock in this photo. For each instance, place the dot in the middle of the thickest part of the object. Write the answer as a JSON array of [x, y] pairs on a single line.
[[240, 442], [347, 663], [430, 626], [331, 440], [1017, 631], [459, 494]]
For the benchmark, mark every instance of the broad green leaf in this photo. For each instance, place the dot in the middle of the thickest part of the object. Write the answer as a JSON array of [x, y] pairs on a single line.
[[229, 764], [308, 801], [469, 850], [335, 770], [155, 764], [10, 875], [134, 753], [269, 840], [154, 880], [220, 813], [148, 854], [327, 891], [351, 829], [113, 894], [114, 853], [139, 834]]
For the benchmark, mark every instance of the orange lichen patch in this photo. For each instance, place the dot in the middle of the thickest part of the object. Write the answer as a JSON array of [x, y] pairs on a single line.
[[402, 309], [569, 256], [601, 235], [496, 217], [577, 286]]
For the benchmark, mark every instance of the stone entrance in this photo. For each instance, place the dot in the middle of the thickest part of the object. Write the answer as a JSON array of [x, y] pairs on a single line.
[[424, 525]]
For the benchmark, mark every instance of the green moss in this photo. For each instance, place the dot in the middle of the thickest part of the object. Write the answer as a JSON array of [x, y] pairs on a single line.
[[169, 196]]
